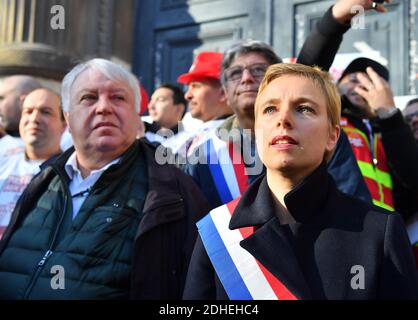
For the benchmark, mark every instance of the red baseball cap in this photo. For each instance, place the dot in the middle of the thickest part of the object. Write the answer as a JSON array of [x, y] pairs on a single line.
[[206, 65], [144, 100]]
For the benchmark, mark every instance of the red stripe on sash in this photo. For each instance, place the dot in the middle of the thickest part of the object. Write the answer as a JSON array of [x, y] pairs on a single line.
[[239, 167], [279, 288]]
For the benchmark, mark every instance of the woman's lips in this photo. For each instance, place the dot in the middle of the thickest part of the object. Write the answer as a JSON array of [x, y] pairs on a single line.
[[283, 142]]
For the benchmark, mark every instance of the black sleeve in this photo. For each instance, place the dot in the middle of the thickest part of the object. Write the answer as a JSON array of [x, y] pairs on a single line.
[[200, 282], [399, 275], [196, 207], [323, 42], [202, 176], [401, 150]]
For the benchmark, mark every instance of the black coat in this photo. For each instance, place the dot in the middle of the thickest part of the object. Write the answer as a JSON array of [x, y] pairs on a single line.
[[314, 256], [166, 234]]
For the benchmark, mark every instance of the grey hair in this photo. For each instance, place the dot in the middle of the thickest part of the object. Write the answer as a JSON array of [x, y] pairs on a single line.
[[111, 70], [245, 47]]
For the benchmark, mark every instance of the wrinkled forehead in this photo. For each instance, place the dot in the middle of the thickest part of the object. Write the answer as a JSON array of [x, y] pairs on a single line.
[[294, 86], [93, 80], [41, 97], [248, 58]]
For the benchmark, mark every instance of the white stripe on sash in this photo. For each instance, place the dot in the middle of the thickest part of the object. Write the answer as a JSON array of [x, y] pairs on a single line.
[[227, 167], [246, 264]]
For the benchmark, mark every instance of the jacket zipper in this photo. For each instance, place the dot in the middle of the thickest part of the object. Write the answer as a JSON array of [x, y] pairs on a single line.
[[48, 253]]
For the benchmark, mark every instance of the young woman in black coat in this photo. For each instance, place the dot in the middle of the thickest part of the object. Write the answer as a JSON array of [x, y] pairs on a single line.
[[293, 235]]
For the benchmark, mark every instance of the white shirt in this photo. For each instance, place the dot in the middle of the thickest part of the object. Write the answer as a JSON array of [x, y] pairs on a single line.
[[15, 174], [186, 141], [80, 187], [11, 145]]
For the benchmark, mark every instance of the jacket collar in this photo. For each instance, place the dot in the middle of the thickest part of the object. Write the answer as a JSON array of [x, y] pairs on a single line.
[[257, 204], [113, 172], [163, 188], [162, 181], [162, 184], [271, 243], [230, 123]]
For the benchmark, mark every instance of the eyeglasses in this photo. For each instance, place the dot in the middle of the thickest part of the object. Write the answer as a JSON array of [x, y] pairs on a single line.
[[257, 71], [410, 116]]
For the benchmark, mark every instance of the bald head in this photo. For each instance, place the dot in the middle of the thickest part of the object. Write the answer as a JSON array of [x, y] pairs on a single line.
[[12, 91]]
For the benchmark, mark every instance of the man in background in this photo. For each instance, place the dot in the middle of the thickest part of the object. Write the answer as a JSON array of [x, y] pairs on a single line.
[[206, 99], [166, 109], [12, 93], [41, 125]]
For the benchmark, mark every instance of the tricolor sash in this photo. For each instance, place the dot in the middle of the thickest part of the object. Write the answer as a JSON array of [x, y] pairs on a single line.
[[227, 169], [243, 277]]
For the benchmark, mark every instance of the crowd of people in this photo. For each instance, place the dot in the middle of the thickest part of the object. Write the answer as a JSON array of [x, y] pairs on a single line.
[[291, 181]]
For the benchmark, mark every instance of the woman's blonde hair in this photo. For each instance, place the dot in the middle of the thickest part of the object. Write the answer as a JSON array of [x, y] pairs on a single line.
[[321, 78]]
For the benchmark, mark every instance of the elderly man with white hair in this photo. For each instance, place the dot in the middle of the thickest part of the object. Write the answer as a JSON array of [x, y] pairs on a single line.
[[117, 224]]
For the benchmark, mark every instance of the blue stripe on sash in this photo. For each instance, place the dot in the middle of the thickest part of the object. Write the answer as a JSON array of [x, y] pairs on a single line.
[[217, 174], [222, 261]]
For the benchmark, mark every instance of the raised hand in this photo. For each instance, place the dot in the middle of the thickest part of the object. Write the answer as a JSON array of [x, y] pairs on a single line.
[[376, 91], [342, 10]]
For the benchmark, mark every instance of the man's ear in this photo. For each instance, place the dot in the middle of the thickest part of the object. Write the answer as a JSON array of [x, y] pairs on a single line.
[[66, 117], [21, 99], [180, 108], [222, 97]]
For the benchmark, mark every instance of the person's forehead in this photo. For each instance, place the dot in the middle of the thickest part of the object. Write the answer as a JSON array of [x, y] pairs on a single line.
[[249, 58], [41, 96], [92, 79], [411, 108], [6, 86], [163, 92], [204, 81], [352, 76], [284, 86]]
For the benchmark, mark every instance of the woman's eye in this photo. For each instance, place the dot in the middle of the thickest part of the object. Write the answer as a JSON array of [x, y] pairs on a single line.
[[122, 98], [305, 109], [269, 110]]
